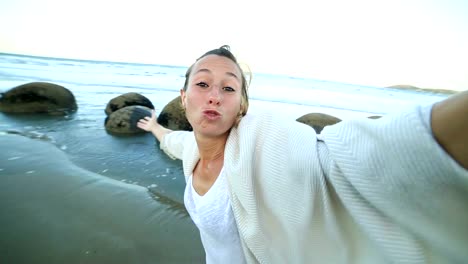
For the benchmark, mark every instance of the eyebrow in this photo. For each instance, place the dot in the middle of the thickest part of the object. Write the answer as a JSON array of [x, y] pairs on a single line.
[[228, 73]]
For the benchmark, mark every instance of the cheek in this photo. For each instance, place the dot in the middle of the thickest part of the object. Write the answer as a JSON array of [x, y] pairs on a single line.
[[236, 108], [189, 102], [238, 105]]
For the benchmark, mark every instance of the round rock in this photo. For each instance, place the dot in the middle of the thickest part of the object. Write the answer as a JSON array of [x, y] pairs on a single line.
[[318, 121], [173, 116], [124, 120], [127, 99], [38, 97]]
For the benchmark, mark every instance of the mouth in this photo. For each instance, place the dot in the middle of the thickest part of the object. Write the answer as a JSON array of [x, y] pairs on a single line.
[[211, 114]]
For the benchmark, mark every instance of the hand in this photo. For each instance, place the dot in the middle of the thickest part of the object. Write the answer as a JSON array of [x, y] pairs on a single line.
[[148, 123], [449, 124]]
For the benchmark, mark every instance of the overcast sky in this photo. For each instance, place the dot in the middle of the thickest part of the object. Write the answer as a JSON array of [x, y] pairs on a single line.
[[370, 42]]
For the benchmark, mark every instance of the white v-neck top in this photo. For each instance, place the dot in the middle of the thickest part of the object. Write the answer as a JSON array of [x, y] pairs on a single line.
[[212, 214]]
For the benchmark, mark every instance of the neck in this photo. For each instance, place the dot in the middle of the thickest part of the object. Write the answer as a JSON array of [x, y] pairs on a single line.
[[211, 148]]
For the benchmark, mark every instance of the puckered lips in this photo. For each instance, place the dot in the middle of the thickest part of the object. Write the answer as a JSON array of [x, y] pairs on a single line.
[[211, 114]]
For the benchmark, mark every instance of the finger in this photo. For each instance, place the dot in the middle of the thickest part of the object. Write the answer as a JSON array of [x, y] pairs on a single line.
[[142, 126]]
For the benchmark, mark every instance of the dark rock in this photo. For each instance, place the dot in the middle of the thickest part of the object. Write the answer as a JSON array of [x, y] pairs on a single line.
[[124, 120], [173, 116], [38, 97], [127, 99], [318, 121]]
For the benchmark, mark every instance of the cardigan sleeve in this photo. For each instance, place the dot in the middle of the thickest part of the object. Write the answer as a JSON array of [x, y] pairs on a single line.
[[395, 165], [173, 143]]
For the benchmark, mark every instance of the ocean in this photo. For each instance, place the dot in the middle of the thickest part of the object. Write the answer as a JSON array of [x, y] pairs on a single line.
[[73, 193]]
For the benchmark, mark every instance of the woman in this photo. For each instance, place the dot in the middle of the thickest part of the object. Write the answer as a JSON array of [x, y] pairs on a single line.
[[266, 190]]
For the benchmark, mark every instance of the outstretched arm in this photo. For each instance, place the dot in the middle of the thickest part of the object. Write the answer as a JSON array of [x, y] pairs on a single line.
[[449, 122], [150, 124]]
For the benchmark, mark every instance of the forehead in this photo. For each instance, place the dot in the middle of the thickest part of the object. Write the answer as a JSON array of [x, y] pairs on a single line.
[[216, 64]]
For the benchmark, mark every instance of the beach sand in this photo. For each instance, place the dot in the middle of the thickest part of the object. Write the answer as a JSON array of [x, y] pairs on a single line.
[[56, 212]]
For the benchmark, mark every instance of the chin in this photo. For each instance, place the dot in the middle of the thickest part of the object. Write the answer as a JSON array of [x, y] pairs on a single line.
[[211, 131]]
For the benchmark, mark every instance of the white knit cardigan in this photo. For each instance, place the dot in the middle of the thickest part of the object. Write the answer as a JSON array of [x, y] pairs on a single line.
[[364, 191]]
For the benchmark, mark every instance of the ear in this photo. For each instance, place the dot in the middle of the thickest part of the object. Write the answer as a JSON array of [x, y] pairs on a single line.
[[183, 96]]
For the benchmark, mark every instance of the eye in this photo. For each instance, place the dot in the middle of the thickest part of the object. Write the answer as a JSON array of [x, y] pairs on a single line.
[[229, 89], [202, 84]]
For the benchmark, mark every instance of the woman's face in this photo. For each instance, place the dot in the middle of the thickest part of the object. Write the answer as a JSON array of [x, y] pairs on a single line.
[[213, 97]]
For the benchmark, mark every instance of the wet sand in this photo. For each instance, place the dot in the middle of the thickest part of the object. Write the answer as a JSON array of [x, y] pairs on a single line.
[[56, 212]]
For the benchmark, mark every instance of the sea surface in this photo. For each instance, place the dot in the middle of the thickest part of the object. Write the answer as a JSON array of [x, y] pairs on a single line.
[[137, 160]]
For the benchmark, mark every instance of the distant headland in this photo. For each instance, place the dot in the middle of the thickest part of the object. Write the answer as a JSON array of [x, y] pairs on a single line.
[[414, 88]]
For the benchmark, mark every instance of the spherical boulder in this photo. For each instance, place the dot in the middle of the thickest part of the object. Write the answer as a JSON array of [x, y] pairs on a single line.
[[173, 116], [38, 97], [124, 120], [318, 120], [127, 99]]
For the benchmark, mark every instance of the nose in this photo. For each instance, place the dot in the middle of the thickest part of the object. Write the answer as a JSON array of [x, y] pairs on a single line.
[[214, 97]]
